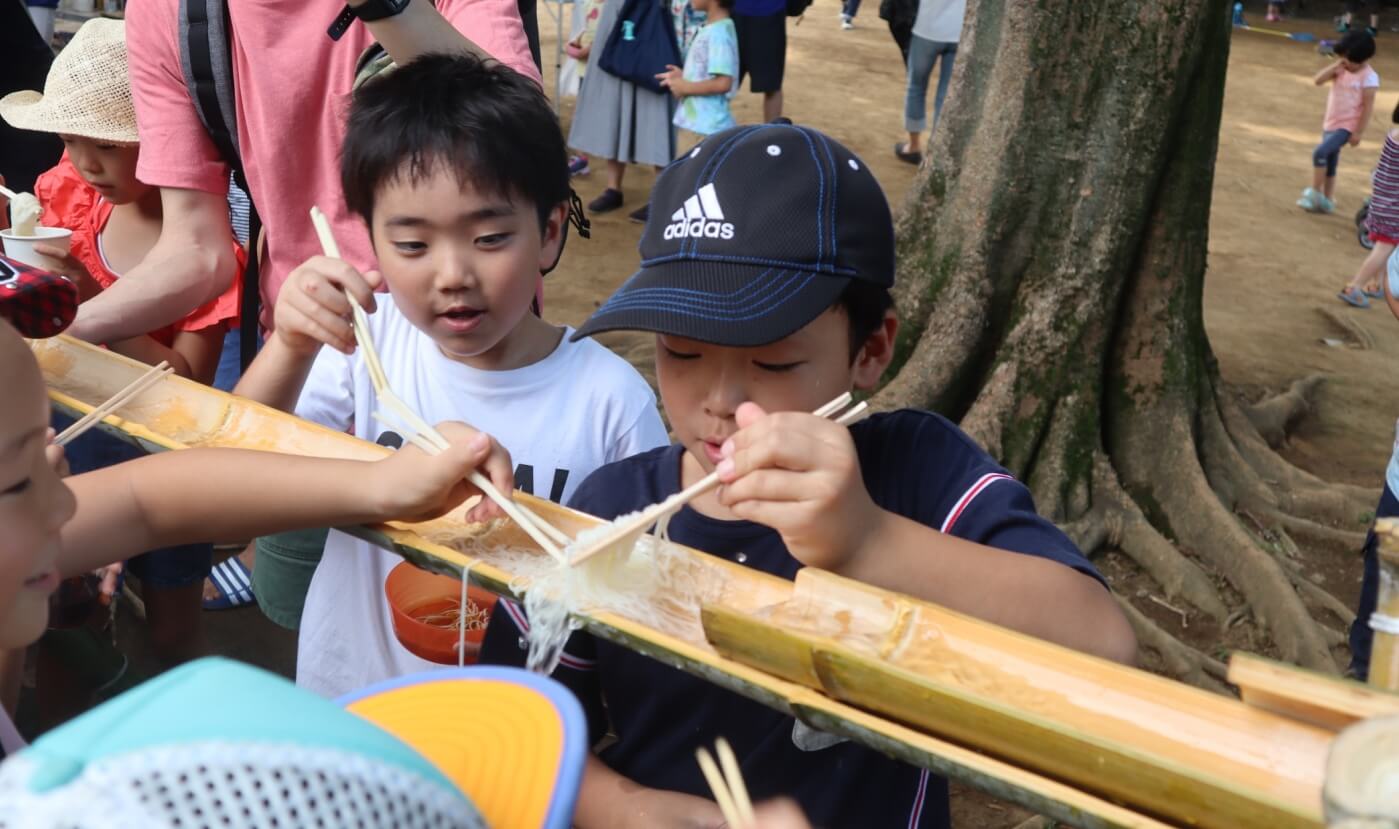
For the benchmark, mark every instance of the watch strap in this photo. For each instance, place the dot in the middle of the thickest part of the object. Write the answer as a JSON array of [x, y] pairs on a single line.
[[371, 10]]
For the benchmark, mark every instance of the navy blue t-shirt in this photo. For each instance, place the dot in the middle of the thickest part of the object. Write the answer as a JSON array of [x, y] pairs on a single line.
[[914, 463]]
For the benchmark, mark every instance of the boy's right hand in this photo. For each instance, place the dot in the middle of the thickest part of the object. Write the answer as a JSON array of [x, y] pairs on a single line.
[[410, 485], [312, 309]]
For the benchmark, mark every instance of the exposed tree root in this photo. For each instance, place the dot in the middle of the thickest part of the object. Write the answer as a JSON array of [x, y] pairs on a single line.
[[1313, 535], [1181, 660], [1163, 465], [1130, 531], [1349, 328], [1285, 477], [1275, 417], [1242, 487], [1308, 588]]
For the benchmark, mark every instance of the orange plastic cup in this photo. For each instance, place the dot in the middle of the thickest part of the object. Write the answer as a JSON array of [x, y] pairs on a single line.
[[413, 594]]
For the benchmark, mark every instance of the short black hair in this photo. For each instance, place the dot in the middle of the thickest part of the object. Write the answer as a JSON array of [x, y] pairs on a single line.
[[725, 4], [1356, 47], [488, 124], [865, 305]]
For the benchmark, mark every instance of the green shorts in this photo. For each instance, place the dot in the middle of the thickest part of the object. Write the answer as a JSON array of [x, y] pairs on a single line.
[[282, 573]]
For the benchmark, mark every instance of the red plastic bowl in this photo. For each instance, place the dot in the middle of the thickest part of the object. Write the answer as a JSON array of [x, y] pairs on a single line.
[[412, 593]]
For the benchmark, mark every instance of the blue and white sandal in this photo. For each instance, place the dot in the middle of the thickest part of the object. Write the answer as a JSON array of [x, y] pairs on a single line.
[[234, 582], [1353, 296]]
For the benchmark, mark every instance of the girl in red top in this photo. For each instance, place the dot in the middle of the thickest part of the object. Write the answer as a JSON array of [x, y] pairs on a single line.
[[93, 191]]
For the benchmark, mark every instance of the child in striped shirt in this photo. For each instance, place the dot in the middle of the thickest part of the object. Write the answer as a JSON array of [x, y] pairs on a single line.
[[1383, 223]]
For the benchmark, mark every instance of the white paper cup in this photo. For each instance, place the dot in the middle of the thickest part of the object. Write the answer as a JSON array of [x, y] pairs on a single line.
[[21, 248]]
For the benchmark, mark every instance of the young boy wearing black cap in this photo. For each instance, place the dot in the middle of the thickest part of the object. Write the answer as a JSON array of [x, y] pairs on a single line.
[[765, 275]]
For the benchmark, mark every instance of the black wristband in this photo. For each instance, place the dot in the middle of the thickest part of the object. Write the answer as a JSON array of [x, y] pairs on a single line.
[[368, 11]]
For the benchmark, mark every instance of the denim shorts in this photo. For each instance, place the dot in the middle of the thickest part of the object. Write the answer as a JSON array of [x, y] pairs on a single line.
[[166, 568]]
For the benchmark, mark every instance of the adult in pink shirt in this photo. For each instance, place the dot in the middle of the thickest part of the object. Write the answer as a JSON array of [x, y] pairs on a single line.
[[291, 84]]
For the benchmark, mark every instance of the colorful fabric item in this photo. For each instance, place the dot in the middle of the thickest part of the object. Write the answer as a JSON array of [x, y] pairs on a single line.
[[37, 303], [1346, 102], [714, 53], [69, 201], [688, 24], [1384, 193]]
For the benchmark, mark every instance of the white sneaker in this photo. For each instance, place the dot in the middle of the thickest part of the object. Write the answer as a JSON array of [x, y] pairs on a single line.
[[846, 23]]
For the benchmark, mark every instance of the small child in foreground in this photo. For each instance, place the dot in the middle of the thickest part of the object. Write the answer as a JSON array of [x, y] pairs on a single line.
[[760, 317], [1348, 109], [1382, 220], [460, 171], [56, 528]]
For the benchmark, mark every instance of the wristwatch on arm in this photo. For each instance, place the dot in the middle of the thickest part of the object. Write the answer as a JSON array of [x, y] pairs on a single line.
[[368, 11]]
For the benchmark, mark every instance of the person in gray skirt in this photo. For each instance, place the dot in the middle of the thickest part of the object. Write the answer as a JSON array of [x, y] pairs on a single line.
[[619, 121]]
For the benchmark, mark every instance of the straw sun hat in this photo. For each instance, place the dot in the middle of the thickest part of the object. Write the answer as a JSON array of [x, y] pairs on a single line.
[[86, 93]]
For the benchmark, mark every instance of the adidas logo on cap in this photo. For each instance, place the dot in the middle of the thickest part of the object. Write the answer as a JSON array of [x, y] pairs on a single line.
[[701, 217]]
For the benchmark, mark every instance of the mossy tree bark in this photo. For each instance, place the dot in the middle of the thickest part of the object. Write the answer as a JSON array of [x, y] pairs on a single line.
[[1051, 270]]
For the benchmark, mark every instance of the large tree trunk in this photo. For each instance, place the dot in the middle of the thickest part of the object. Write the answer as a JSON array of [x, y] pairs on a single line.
[[1051, 271]]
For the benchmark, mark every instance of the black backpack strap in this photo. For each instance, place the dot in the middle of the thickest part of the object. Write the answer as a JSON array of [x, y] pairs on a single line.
[[205, 58]]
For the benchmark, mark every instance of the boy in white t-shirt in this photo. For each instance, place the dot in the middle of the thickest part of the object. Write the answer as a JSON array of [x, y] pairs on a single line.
[[460, 170]]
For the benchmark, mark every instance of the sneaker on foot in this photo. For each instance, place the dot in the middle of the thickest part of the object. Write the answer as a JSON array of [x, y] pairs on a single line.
[[1308, 200], [609, 200], [641, 214], [1324, 205], [847, 24], [578, 165], [1372, 31], [903, 153]]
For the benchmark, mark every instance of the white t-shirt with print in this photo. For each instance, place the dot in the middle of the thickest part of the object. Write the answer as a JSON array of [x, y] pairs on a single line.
[[561, 418]]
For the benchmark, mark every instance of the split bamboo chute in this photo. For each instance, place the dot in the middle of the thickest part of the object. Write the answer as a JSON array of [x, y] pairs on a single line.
[[1088, 742]]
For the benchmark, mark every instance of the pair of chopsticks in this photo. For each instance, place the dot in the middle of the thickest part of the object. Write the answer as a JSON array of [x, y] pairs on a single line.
[[729, 790], [626, 534], [421, 433], [121, 398]]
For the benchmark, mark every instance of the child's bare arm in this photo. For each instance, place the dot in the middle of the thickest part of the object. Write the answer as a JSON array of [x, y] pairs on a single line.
[[1327, 74], [799, 474], [312, 312], [227, 494], [608, 799], [194, 354], [1367, 109], [674, 80]]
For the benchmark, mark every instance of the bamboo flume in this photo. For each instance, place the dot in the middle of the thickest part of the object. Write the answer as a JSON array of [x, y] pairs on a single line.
[[1071, 736]]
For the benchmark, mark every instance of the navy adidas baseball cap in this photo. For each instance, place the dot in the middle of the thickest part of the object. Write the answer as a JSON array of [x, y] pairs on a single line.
[[751, 236]]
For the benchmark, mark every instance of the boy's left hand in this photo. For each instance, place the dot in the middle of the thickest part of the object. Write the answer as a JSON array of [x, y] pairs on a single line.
[[799, 474], [1354, 140], [672, 78], [415, 486]]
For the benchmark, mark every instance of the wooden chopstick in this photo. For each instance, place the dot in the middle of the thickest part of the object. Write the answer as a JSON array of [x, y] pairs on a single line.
[[674, 503], [729, 790], [116, 401], [517, 513]]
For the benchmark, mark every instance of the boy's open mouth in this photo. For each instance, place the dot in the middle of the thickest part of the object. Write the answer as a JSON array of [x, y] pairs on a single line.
[[462, 317]]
